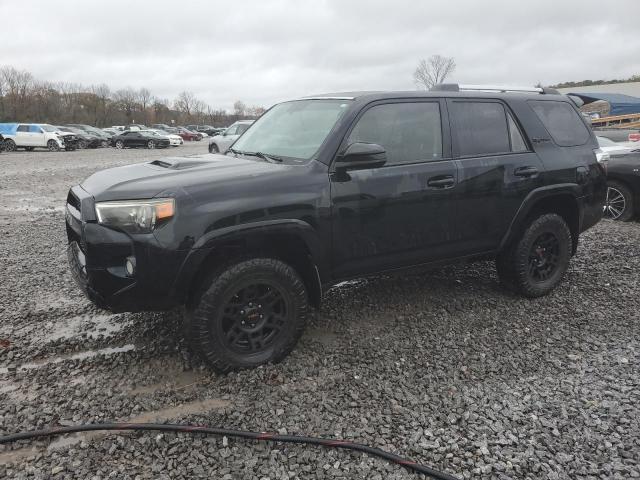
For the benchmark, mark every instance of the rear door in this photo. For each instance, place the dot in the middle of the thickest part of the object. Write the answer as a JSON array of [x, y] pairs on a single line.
[[402, 213], [498, 168], [23, 138]]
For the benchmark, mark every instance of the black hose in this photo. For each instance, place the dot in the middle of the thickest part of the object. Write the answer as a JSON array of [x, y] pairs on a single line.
[[325, 442]]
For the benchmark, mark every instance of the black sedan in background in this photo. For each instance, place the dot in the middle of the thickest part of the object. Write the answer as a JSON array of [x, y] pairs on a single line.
[[139, 138], [623, 186]]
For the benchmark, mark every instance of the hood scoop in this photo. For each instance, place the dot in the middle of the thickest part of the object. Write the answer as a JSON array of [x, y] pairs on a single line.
[[179, 163]]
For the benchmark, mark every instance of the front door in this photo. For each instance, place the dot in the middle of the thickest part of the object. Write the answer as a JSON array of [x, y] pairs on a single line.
[[37, 136], [404, 212]]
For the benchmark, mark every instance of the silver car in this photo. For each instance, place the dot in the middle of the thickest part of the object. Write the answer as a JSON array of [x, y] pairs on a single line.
[[221, 143]]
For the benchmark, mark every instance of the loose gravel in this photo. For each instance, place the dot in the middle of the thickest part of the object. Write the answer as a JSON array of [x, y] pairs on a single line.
[[445, 368]]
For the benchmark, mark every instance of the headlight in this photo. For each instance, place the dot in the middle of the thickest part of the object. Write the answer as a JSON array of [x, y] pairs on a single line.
[[135, 216]]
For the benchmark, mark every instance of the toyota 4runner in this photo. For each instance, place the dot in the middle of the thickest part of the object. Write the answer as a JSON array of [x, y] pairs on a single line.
[[331, 187]]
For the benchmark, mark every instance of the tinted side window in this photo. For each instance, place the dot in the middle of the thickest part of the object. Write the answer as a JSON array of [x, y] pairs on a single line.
[[515, 136], [231, 130], [562, 122], [481, 128], [35, 129], [23, 128], [242, 128], [409, 132]]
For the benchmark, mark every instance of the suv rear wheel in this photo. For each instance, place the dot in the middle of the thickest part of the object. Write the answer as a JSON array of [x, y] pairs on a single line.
[[535, 263], [9, 145], [250, 313]]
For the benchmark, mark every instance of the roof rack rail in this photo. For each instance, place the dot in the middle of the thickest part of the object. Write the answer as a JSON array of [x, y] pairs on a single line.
[[454, 87]]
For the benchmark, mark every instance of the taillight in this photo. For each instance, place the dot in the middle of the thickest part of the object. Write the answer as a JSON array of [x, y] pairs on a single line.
[[603, 158]]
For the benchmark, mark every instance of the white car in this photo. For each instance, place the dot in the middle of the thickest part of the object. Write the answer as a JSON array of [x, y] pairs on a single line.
[[221, 143], [174, 140], [32, 135], [617, 148]]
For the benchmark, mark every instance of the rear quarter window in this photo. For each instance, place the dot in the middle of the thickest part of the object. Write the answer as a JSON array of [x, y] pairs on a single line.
[[562, 122]]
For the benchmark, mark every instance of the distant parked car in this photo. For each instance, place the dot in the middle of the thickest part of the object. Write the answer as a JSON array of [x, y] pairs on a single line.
[[139, 138], [220, 143], [30, 136], [174, 140], [85, 139], [617, 148], [161, 126], [135, 127], [206, 130], [188, 135], [95, 131]]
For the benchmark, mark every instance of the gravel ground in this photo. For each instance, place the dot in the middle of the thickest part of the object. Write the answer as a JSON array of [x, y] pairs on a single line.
[[445, 367]]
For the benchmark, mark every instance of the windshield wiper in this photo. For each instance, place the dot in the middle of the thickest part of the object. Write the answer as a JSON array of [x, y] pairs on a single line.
[[264, 156]]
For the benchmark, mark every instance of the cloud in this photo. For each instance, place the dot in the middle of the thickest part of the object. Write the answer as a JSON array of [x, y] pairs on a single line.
[[263, 52]]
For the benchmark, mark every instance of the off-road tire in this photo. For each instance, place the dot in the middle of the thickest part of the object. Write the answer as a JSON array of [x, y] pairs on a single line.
[[513, 263], [619, 188], [203, 319], [9, 145]]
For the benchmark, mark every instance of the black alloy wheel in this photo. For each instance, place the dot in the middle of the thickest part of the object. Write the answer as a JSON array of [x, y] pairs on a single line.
[[252, 317], [543, 257]]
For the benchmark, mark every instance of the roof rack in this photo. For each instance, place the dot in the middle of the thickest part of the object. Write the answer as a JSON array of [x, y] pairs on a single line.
[[454, 87]]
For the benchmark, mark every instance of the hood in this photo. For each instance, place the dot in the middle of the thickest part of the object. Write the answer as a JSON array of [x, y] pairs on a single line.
[[148, 180]]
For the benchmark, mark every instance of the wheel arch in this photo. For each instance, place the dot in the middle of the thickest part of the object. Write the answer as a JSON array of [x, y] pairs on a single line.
[[560, 199], [295, 242]]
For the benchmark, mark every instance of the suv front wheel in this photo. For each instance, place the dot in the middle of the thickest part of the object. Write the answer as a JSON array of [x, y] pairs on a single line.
[[251, 313], [535, 263]]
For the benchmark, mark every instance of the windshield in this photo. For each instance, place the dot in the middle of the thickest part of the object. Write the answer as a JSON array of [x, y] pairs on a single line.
[[292, 129]]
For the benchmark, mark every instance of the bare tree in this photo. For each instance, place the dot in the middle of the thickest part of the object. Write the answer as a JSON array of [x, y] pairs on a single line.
[[433, 71], [239, 108], [185, 103], [127, 101]]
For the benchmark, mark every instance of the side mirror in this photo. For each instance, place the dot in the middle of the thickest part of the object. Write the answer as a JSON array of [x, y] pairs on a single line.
[[361, 155]]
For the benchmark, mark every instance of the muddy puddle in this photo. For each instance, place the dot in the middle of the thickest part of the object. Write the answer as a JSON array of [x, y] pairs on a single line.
[[76, 356]]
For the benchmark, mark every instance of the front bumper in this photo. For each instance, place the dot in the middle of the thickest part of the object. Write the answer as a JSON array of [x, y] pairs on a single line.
[[97, 256]]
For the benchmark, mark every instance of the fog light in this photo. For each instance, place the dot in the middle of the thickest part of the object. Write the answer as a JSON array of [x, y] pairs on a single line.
[[130, 266]]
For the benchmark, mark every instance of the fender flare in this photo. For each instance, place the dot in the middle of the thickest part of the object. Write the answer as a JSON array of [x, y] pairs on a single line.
[[533, 198], [211, 240]]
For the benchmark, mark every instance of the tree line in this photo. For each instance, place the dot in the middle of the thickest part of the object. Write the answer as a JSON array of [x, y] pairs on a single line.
[[588, 83], [24, 98]]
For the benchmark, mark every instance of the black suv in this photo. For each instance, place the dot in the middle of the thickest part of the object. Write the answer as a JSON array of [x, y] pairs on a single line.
[[332, 187]]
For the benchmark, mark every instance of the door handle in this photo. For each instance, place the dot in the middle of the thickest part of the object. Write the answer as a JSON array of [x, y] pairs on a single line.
[[525, 171], [441, 181]]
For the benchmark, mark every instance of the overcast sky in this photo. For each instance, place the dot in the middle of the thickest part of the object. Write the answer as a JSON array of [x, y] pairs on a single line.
[[263, 51]]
